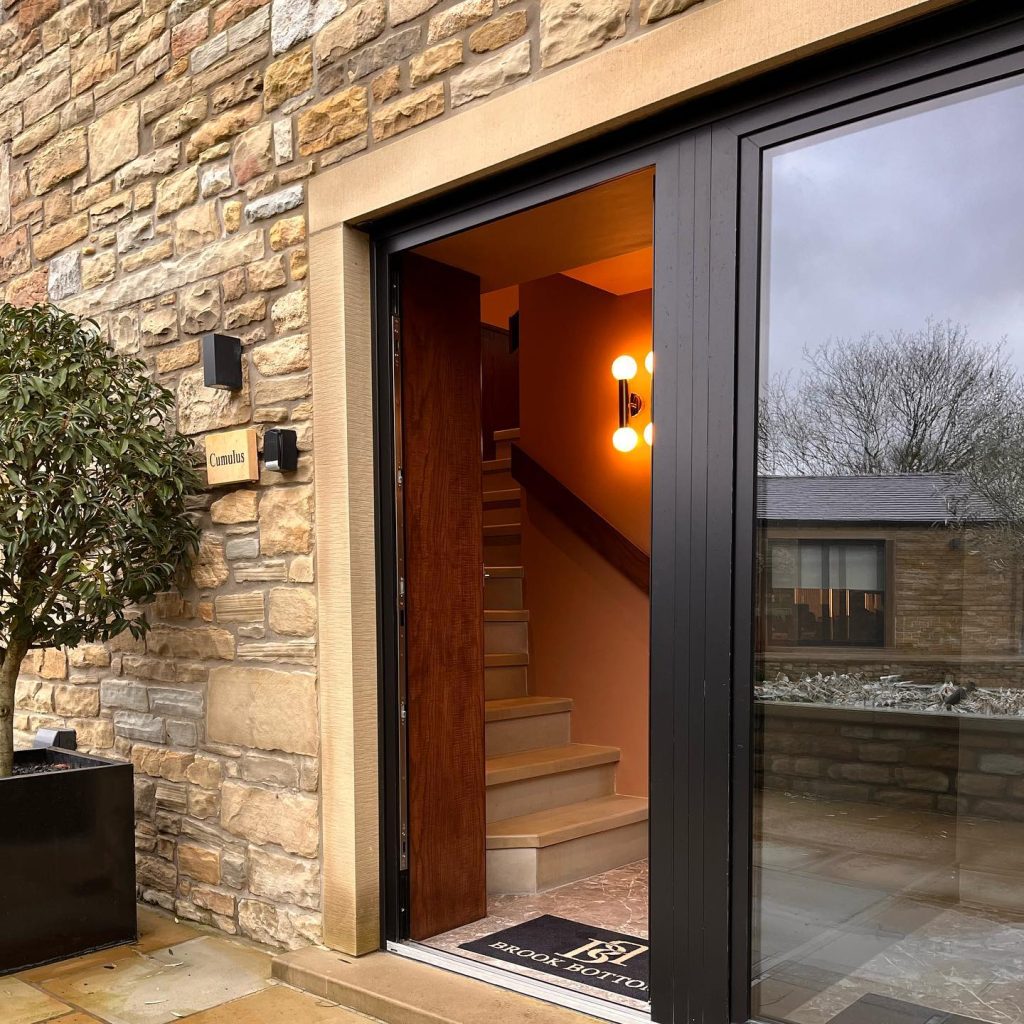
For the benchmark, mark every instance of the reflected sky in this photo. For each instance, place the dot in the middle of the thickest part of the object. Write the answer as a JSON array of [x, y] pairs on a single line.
[[880, 227]]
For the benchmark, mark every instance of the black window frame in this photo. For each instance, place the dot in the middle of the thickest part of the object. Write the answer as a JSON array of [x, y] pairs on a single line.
[[708, 208]]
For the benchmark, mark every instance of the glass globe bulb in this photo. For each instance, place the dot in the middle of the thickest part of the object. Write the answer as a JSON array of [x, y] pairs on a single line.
[[649, 362], [649, 434], [624, 368], [625, 439]]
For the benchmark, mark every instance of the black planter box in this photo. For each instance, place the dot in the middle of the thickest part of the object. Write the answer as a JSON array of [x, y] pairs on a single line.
[[67, 858]]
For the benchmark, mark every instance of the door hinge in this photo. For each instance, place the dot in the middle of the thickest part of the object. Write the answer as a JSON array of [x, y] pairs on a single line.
[[396, 332]]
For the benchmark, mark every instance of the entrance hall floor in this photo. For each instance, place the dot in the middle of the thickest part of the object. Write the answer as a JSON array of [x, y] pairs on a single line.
[[615, 900], [174, 972]]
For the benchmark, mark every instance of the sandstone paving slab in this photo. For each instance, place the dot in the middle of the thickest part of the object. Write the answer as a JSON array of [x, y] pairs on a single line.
[[166, 984], [278, 1005], [22, 1004]]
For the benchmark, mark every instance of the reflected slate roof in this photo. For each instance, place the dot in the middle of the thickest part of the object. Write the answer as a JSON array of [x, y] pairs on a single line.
[[906, 498]]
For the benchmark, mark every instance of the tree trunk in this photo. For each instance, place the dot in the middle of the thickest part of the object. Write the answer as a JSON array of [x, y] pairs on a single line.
[[13, 657]]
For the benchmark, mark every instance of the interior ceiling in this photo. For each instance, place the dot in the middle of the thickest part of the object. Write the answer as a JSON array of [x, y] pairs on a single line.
[[620, 275], [579, 231]]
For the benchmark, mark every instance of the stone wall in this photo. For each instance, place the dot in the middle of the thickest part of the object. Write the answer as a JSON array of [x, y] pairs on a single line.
[[952, 763], [154, 158]]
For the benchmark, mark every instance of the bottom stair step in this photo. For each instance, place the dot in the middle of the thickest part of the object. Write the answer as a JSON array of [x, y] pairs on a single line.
[[539, 851]]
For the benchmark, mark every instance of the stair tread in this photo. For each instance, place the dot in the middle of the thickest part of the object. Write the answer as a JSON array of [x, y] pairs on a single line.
[[508, 434], [504, 572], [506, 660], [502, 529], [506, 615], [531, 764], [502, 494], [571, 821], [496, 465], [504, 708]]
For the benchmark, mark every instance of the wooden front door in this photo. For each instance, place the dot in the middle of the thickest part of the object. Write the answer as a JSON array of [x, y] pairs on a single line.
[[444, 595]]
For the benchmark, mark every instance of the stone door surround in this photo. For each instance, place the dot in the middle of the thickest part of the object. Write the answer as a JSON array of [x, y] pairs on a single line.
[[716, 44]]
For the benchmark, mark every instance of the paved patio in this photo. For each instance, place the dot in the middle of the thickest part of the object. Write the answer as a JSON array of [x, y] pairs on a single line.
[[174, 972]]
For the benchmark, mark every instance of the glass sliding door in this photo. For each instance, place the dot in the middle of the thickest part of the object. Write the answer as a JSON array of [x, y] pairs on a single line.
[[888, 827]]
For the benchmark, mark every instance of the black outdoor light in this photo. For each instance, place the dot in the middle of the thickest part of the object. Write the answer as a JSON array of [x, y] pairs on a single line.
[[280, 450], [222, 362]]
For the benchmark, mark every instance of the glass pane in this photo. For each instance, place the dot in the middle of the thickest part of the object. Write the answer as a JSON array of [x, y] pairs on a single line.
[[889, 668]]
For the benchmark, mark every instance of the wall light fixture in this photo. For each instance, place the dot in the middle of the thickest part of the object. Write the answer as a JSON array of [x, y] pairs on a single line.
[[625, 439]]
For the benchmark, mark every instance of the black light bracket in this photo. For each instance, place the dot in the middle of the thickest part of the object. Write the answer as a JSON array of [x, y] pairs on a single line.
[[281, 450], [222, 362], [65, 739]]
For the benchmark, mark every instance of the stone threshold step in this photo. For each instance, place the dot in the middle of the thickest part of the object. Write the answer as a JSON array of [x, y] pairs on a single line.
[[398, 990], [562, 824]]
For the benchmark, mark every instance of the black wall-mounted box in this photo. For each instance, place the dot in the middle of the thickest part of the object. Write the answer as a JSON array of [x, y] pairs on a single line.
[[280, 450], [222, 362]]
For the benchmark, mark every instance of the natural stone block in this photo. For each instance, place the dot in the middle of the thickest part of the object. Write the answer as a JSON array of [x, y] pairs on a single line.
[[200, 307], [119, 693], [198, 642], [33, 695], [60, 159], [93, 733], [266, 275], [484, 78], [569, 28], [655, 10], [176, 191], [392, 48], [340, 117], [156, 872], [435, 61], [177, 358], [158, 327], [199, 862], [405, 10], [291, 311], [292, 21], [284, 151], [76, 701], [300, 569], [286, 521], [289, 231], [242, 547], [213, 900], [272, 205], [351, 30], [159, 162], [265, 708], [498, 32], [288, 77], [237, 507], [161, 763], [233, 11], [177, 122], [287, 355], [278, 926], [113, 140], [136, 725], [289, 820], [387, 84], [284, 879], [214, 180], [201, 409], [89, 656], [219, 129], [408, 112], [98, 269], [209, 568], [176, 701], [206, 772], [270, 769], [14, 254], [459, 17], [196, 227], [65, 276], [292, 611], [253, 154], [240, 607]]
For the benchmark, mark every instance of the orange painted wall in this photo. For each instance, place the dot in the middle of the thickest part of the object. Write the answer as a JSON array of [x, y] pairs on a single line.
[[589, 625]]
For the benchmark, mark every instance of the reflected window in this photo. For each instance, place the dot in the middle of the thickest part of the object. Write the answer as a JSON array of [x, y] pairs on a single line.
[[825, 592]]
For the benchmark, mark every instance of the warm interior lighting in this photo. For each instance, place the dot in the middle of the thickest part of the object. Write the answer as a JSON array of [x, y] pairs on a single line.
[[649, 363], [625, 439], [624, 368], [649, 434]]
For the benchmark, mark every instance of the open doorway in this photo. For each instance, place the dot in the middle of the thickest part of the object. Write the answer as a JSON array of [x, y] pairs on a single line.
[[523, 414]]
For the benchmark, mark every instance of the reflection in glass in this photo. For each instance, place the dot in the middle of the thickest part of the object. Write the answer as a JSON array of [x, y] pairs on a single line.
[[889, 668]]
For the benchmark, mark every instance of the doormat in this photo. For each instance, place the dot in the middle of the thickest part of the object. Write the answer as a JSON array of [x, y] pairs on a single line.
[[573, 951], [875, 1009]]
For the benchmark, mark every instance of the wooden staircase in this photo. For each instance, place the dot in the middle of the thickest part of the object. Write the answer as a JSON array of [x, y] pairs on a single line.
[[553, 815]]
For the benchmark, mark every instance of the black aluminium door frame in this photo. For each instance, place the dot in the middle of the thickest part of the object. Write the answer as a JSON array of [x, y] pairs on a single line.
[[708, 159]]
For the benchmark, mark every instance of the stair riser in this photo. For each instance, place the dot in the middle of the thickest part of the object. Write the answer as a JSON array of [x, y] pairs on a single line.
[[512, 735], [506, 638], [503, 449], [503, 593], [503, 550], [504, 681], [504, 513], [512, 799], [499, 480], [528, 870]]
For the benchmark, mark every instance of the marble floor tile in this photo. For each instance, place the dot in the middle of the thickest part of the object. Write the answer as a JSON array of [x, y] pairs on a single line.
[[20, 1003], [166, 984]]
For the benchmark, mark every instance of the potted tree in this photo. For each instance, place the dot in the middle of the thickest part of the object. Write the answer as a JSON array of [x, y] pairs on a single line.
[[93, 523]]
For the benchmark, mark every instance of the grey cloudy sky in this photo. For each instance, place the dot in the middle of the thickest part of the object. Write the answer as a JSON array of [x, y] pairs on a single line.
[[881, 226]]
